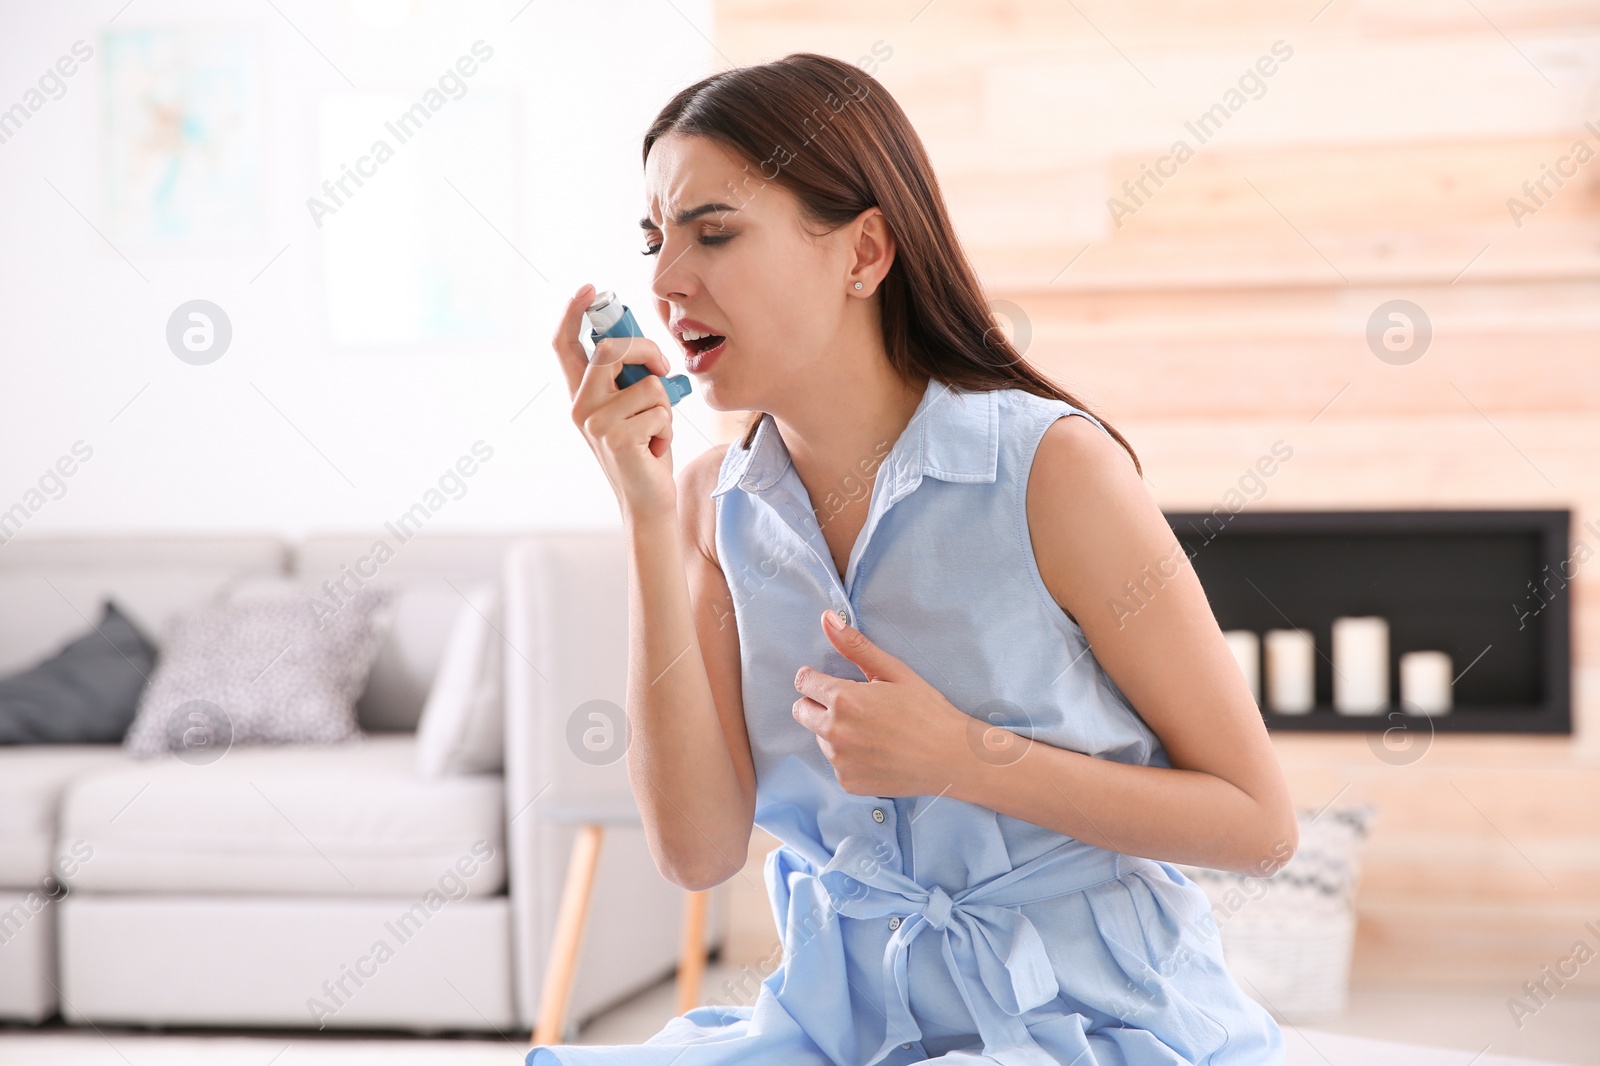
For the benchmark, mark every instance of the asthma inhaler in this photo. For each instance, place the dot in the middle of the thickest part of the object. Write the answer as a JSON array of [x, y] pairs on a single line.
[[609, 317]]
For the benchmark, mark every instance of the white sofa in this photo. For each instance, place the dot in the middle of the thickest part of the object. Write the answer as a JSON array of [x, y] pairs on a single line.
[[288, 886]]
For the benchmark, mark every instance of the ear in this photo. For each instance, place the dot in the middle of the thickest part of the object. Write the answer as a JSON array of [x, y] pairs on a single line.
[[874, 247]]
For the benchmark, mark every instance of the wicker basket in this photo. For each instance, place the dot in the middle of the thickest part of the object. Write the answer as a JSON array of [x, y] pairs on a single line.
[[1298, 968], [1289, 945]]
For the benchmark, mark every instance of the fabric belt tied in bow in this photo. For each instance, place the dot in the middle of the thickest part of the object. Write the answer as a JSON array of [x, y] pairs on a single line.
[[984, 939]]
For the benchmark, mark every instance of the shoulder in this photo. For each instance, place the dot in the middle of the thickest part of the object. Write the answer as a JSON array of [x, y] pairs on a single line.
[[1077, 447], [1090, 514], [696, 509], [1065, 452], [701, 471]]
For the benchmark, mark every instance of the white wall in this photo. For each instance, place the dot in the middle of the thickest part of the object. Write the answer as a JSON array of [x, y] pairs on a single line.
[[359, 434]]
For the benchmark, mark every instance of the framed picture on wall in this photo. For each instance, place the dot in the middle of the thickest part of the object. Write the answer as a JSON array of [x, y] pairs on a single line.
[[183, 134]]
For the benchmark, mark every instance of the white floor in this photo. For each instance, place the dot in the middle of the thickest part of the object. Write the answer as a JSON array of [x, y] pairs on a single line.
[[1384, 1027]]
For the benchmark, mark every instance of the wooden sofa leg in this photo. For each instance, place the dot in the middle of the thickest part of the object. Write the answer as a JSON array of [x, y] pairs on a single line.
[[692, 955], [563, 962]]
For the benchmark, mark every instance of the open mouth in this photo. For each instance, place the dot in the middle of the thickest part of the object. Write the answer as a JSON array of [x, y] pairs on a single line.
[[703, 344]]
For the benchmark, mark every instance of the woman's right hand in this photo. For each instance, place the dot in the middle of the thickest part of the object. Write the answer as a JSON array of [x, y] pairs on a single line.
[[629, 430]]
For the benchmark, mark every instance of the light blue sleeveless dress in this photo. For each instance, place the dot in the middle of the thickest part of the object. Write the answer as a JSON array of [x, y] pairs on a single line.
[[925, 927]]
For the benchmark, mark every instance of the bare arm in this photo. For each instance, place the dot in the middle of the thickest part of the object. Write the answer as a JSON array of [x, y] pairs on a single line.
[[1224, 802], [689, 759]]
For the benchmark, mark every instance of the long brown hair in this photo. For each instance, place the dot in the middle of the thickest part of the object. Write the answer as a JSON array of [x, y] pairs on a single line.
[[863, 153]]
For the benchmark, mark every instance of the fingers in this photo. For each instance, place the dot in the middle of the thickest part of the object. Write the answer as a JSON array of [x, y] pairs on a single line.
[[591, 381], [632, 417], [569, 348], [814, 716], [817, 685], [598, 386], [652, 422], [628, 402], [661, 424], [615, 351], [809, 713]]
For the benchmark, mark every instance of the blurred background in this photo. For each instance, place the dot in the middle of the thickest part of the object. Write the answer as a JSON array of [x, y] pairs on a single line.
[[1360, 236]]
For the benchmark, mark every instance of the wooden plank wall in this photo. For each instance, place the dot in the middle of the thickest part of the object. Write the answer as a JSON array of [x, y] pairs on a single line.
[[1228, 310]]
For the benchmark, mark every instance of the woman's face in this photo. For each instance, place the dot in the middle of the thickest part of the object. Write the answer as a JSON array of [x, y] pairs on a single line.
[[747, 269]]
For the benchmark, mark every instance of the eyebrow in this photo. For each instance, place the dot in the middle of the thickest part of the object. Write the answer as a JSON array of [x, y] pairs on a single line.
[[686, 217]]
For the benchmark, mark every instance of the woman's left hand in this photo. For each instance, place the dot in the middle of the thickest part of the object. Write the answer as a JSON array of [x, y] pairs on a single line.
[[890, 735]]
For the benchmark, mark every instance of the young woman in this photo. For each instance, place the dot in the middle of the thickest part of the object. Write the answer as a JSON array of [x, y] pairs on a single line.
[[927, 630]]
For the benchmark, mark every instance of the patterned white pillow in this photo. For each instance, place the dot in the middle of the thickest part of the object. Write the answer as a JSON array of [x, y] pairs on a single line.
[[265, 662], [1320, 878]]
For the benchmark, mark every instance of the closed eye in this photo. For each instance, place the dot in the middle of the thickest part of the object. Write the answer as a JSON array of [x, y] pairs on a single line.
[[654, 248]]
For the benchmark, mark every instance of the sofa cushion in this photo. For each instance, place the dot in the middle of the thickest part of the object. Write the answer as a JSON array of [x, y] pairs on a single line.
[[28, 975], [32, 781], [52, 587], [261, 665], [346, 819], [409, 962], [431, 573], [462, 727], [85, 693]]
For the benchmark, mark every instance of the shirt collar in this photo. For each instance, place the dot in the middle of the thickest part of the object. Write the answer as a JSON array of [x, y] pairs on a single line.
[[953, 435]]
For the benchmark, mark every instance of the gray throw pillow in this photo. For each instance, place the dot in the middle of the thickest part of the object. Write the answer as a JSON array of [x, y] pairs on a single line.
[[84, 694], [264, 663]]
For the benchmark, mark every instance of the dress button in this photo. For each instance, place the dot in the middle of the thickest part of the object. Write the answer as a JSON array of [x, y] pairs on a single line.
[[844, 615], [894, 923], [905, 1045], [877, 814]]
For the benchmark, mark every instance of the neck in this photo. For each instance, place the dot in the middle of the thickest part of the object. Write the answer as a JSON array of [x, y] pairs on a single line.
[[839, 435]]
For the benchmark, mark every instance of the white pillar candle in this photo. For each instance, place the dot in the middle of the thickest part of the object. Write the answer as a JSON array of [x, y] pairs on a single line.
[[1425, 682], [1360, 665], [1291, 671], [1246, 648]]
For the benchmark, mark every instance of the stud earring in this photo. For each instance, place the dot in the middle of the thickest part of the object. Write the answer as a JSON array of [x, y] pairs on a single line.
[[858, 284]]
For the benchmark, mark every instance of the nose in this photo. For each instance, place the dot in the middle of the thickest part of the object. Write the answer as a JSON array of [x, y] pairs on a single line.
[[673, 282]]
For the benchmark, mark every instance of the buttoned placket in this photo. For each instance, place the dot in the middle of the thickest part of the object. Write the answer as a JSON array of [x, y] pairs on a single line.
[[880, 815], [893, 483], [793, 501], [892, 831], [889, 487], [898, 474], [810, 532]]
